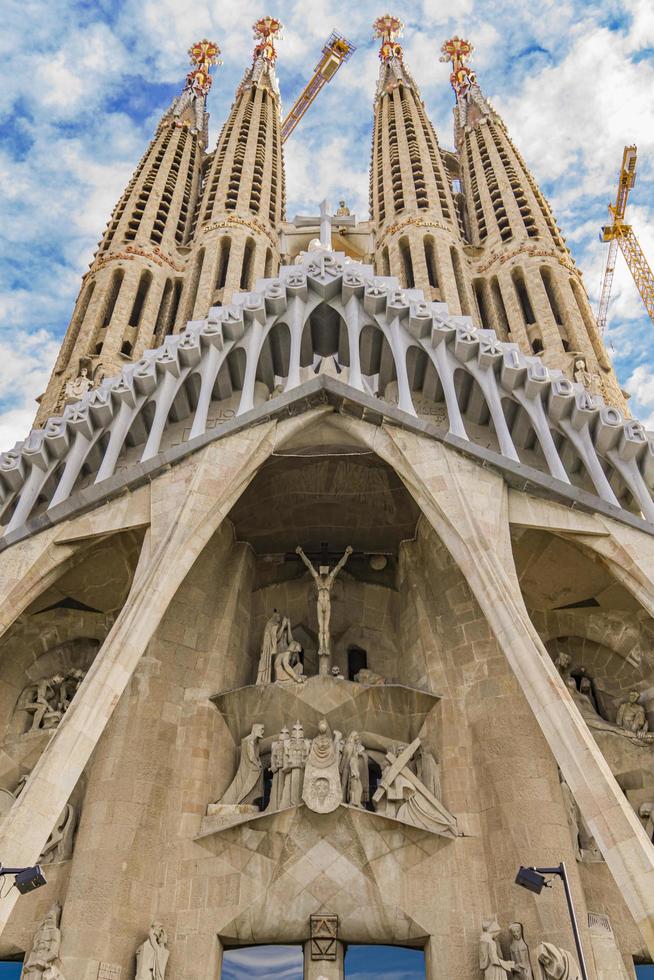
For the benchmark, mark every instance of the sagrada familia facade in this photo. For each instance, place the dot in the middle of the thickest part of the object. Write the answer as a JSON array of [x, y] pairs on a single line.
[[328, 572]]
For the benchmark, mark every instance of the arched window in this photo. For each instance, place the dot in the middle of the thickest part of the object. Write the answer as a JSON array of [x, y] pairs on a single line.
[[223, 261], [407, 264], [140, 298], [501, 317], [246, 267], [460, 282], [430, 260]]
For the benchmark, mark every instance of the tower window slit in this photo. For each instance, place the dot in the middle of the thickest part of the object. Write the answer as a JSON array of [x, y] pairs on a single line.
[[140, 298], [407, 263], [430, 260], [501, 317], [223, 262], [479, 289], [460, 282], [246, 267], [523, 297]]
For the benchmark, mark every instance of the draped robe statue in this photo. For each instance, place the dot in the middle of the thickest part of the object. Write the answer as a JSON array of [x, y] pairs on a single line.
[[519, 953], [247, 784], [42, 962], [354, 766], [274, 630], [556, 964], [277, 769], [322, 781], [490, 958], [152, 955]]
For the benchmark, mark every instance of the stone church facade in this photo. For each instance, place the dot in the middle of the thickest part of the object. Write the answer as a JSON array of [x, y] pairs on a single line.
[[328, 572]]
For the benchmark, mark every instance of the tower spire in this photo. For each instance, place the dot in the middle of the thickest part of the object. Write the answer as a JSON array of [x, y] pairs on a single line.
[[266, 31], [189, 108], [471, 105], [392, 72], [236, 240], [130, 295]]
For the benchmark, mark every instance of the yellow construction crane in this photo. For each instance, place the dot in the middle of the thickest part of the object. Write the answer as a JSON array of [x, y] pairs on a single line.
[[336, 52], [619, 233]]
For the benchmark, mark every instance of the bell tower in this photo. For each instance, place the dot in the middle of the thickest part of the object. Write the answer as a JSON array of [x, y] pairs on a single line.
[[129, 296], [411, 199], [525, 283], [243, 199]]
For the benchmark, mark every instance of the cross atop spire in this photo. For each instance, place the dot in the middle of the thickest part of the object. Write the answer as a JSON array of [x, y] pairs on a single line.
[[266, 31], [189, 109], [472, 107], [388, 28], [393, 71]]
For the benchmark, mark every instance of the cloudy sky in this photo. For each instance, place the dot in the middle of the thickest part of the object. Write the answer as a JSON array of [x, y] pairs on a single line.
[[83, 85], [286, 963]]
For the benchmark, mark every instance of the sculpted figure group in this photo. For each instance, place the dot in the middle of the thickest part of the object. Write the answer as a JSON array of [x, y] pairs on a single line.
[[49, 699], [329, 769], [554, 963], [631, 719]]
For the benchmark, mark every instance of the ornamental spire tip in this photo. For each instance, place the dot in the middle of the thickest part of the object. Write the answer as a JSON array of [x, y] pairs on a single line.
[[388, 29]]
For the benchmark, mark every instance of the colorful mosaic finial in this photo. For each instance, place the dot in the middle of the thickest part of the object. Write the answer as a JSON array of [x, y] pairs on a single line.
[[203, 55], [267, 30], [458, 51], [388, 29]]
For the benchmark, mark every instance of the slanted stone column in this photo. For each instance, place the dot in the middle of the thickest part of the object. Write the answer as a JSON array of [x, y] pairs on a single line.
[[468, 509], [189, 503]]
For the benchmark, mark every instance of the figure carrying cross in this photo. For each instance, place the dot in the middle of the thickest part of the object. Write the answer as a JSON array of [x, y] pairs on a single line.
[[325, 220]]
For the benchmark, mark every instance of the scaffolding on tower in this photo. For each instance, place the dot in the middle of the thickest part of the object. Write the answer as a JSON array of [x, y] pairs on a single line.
[[618, 233], [335, 53]]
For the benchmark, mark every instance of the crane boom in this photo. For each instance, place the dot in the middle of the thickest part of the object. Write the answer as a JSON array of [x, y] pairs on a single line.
[[619, 233], [336, 52]]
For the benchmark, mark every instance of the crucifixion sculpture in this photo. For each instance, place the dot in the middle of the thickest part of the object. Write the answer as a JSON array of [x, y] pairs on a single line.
[[324, 579]]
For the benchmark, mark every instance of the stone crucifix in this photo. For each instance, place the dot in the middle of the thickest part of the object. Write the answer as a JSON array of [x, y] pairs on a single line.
[[325, 220], [324, 579]]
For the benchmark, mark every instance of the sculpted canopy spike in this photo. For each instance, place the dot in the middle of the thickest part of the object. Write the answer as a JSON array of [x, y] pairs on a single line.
[[203, 55], [458, 51]]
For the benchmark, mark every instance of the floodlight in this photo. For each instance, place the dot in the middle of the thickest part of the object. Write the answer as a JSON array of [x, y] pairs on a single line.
[[29, 879], [530, 879]]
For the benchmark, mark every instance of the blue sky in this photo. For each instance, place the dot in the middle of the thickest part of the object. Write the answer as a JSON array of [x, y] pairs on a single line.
[[83, 85], [286, 963]]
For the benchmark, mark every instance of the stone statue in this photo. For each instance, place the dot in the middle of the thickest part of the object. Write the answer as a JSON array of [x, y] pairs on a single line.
[[339, 745], [44, 707], [322, 782], [402, 795], [59, 845], [354, 766], [247, 784], [336, 674], [596, 722], [585, 378], [562, 664], [69, 687], [43, 961], [631, 715], [288, 666], [324, 579], [646, 810], [519, 953], [490, 960], [342, 209], [76, 388], [572, 813], [556, 964], [296, 750], [428, 771], [273, 632], [369, 677], [586, 688], [152, 955], [277, 769]]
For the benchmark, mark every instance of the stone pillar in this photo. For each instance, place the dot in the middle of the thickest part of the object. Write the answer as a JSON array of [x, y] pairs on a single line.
[[324, 969]]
